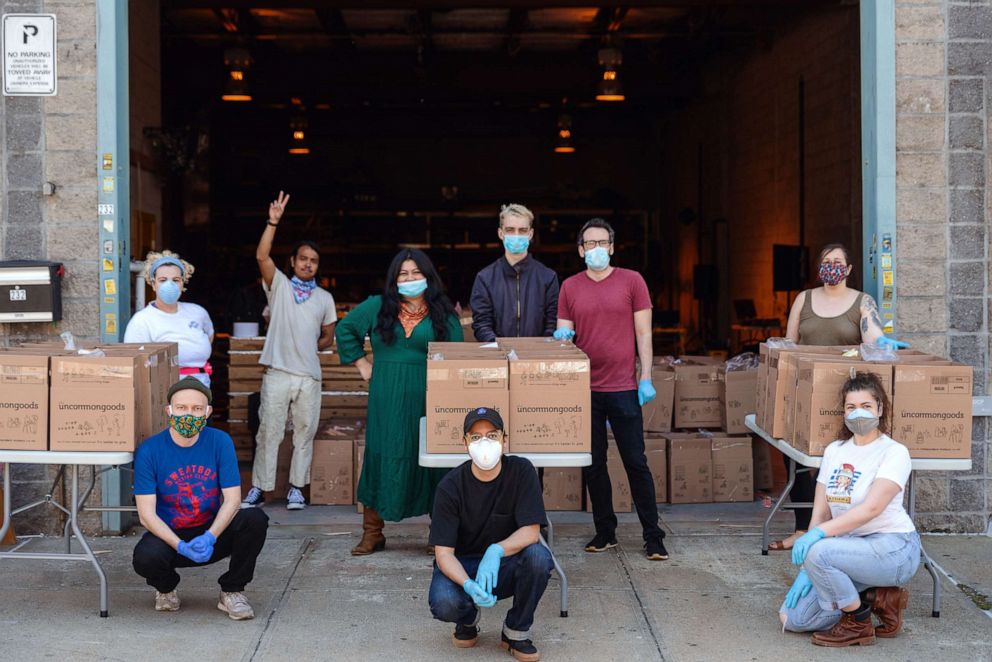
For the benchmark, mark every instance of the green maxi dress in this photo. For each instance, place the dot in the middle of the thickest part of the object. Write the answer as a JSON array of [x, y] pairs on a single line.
[[392, 481]]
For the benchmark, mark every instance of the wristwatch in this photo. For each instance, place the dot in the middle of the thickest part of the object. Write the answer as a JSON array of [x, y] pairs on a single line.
[[275, 225]]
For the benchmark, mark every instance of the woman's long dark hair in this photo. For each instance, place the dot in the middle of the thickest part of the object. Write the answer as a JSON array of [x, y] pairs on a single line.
[[439, 306]]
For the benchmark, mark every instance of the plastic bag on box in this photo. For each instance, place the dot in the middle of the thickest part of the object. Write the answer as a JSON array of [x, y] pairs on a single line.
[[69, 340], [878, 354], [742, 362], [780, 343], [666, 361]]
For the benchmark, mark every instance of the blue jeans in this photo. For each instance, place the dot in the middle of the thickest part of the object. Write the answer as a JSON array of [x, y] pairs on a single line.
[[623, 411], [523, 576], [842, 567]]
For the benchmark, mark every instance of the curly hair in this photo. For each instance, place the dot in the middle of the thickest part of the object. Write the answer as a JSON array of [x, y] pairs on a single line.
[[153, 256]]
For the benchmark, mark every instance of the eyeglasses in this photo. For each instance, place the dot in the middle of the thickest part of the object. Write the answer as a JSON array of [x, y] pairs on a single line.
[[591, 244], [495, 435]]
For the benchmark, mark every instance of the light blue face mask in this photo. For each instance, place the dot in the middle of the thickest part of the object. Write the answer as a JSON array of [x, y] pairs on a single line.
[[412, 288], [597, 258], [516, 243], [168, 292]]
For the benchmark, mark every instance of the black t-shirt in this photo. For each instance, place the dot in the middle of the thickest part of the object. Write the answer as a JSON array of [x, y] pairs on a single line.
[[470, 514]]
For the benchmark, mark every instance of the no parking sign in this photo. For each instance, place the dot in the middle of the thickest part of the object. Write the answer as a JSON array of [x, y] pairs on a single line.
[[29, 55]]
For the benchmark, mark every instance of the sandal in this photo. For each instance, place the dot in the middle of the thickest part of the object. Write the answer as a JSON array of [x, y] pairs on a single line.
[[784, 545]]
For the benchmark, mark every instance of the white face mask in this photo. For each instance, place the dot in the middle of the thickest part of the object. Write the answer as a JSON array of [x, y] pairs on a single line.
[[485, 453]]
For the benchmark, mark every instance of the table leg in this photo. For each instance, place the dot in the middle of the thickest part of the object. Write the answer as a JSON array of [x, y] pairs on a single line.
[[911, 494], [551, 533], [563, 599], [778, 504], [6, 500], [74, 520]]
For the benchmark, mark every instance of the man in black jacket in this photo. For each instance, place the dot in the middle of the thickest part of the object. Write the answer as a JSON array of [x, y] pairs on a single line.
[[516, 295]]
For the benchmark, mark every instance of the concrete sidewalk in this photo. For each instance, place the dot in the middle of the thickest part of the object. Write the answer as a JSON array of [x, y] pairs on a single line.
[[716, 599]]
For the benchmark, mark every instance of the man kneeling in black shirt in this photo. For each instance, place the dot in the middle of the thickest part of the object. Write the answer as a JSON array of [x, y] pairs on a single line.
[[486, 521]]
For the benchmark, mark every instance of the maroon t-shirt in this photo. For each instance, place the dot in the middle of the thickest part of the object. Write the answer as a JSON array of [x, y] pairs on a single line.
[[603, 314]]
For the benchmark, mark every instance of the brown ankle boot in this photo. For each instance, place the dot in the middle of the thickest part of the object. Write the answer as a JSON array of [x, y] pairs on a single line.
[[848, 632], [372, 538], [888, 605]]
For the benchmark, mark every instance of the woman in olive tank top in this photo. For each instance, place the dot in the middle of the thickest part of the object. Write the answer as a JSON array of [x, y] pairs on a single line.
[[833, 314]]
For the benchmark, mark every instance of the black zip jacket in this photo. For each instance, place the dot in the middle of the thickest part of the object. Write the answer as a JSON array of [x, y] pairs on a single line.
[[512, 301]]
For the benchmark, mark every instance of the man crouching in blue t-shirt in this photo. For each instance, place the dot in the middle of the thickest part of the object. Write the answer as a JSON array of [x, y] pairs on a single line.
[[188, 492]]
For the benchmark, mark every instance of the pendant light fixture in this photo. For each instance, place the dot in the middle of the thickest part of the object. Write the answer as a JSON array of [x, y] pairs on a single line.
[[610, 88], [236, 64], [298, 144], [563, 142]]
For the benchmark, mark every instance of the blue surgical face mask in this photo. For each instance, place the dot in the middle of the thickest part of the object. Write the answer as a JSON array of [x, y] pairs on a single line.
[[516, 243], [598, 258], [168, 292], [412, 288]]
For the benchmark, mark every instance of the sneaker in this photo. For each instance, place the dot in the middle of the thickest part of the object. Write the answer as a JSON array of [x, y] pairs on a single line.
[[254, 499], [295, 500], [465, 636], [523, 650], [236, 605], [601, 543], [166, 601], [655, 550]]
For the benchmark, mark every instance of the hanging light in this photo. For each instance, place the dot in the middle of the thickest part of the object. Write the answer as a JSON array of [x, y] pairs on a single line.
[[298, 144], [563, 142], [610, 88], [236, 63]]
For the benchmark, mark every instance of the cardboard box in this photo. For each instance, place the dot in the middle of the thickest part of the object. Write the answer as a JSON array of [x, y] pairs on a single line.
[[733, 469], [931, 409], [781, 386], [656, 451], [550, 403], [690, 477], [24, 401], [738, 398], [657, 414], [563, 489], [332, 472], [530, 343], [456, 386], [762, 387], [619, 484], [697, 393], [94, 403], [359, 461], [761, 457]]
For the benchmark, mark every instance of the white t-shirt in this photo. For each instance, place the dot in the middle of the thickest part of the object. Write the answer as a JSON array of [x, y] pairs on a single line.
[[190, 327], [291, 343], [848, 472]]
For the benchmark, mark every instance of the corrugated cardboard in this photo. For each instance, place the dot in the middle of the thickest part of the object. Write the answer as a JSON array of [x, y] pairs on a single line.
[[332, 472], [657, 414], [550, 402], [931, 409], [359, 460], [456, 386], [697, 393], [738, 389], [530, 343], [761, 456], [780, 395], [690, 478], [563, 489], [24, 401], [733, 469], [762, 388], [94, 403], [656, 452]]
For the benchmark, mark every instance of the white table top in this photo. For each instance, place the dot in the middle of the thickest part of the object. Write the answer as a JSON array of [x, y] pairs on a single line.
[[112, 458], [447, 460], [919, 464]]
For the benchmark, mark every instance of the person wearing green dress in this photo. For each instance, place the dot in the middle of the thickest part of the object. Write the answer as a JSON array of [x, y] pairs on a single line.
[[412, 311]]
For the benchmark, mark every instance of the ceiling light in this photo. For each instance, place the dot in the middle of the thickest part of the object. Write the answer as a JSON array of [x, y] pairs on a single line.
[[298, 137], [610, 88], [236, 63], [563, 141]]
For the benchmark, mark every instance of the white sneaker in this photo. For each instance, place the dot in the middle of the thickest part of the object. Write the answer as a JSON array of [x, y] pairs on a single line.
[[254, 498], [295, 500], [236, 605], [166, 601]]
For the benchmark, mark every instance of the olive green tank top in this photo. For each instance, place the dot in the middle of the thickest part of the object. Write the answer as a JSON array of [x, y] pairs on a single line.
[[844, 329]]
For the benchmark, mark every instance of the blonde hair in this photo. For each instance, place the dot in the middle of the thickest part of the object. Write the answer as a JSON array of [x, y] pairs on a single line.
[[153, 257], [515, 210]]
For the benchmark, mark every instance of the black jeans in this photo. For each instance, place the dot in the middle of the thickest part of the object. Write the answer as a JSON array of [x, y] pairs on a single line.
[[623, 411], [242, 540], [803, 490], [523, 576]]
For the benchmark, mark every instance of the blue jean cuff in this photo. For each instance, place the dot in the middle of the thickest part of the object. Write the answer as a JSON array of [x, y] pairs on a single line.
[[515, 635]]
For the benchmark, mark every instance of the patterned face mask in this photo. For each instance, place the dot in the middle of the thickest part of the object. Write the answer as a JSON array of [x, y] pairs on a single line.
[[832, 274], [188, 425]]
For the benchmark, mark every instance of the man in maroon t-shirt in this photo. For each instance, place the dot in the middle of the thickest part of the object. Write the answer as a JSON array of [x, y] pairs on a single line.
[[607, 311]]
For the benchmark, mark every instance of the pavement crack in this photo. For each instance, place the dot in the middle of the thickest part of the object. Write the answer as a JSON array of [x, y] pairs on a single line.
[[622, 556], [305, 548]]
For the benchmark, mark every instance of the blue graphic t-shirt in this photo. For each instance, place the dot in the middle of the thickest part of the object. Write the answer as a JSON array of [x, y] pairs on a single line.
[[186, 481]]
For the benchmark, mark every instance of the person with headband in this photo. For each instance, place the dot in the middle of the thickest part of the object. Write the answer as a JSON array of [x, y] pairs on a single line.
[[188, 492], [516, 295], [862, 547], [486, 525], [302, 319], [832, 315], [167, 319]]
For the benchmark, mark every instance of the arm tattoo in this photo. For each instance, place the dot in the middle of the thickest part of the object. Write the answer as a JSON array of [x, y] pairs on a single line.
[[864, 325], [870, 313]]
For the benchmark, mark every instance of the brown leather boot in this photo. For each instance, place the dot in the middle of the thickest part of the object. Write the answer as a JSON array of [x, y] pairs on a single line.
[[372, 538], [848, 632], [888, 605]]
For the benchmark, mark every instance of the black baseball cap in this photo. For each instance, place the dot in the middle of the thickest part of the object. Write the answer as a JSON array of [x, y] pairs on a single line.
[[482, 414], [192, 384]]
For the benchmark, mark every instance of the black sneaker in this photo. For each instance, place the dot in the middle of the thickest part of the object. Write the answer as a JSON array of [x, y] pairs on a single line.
[[465, 636], [254, 498], [601, 543], [655, 550], [523, 650]]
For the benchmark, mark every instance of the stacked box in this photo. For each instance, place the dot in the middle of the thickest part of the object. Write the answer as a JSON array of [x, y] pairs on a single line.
[[738, 398], [159, 371], [332, 473], [689, 468], [24, 392], [550, 401], [931, 408], [761, 457], [697, 392], [657, 414], [732, 468], [563, 489], [656, 452]]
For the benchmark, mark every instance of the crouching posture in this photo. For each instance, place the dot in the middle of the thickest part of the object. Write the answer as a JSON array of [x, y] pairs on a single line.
[[486, 532], [188, 493], [862, 546]]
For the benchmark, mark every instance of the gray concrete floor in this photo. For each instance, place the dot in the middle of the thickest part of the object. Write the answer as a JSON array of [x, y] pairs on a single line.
[[716, 599]]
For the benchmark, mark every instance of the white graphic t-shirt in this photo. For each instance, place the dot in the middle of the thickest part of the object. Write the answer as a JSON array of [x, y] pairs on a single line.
[[848, 472]]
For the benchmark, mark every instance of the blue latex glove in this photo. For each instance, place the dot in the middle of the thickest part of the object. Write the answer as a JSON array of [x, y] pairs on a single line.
[[645, 392], [799, 589], [891, 343], [564, 333], [800, 548], [489, 568], [204, 544], [478, 595], [186, 549]]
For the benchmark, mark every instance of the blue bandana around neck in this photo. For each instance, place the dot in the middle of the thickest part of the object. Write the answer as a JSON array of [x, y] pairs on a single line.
[[302, 289]]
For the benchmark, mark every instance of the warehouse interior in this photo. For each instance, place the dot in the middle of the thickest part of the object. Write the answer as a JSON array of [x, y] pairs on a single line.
[[722, 129]]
